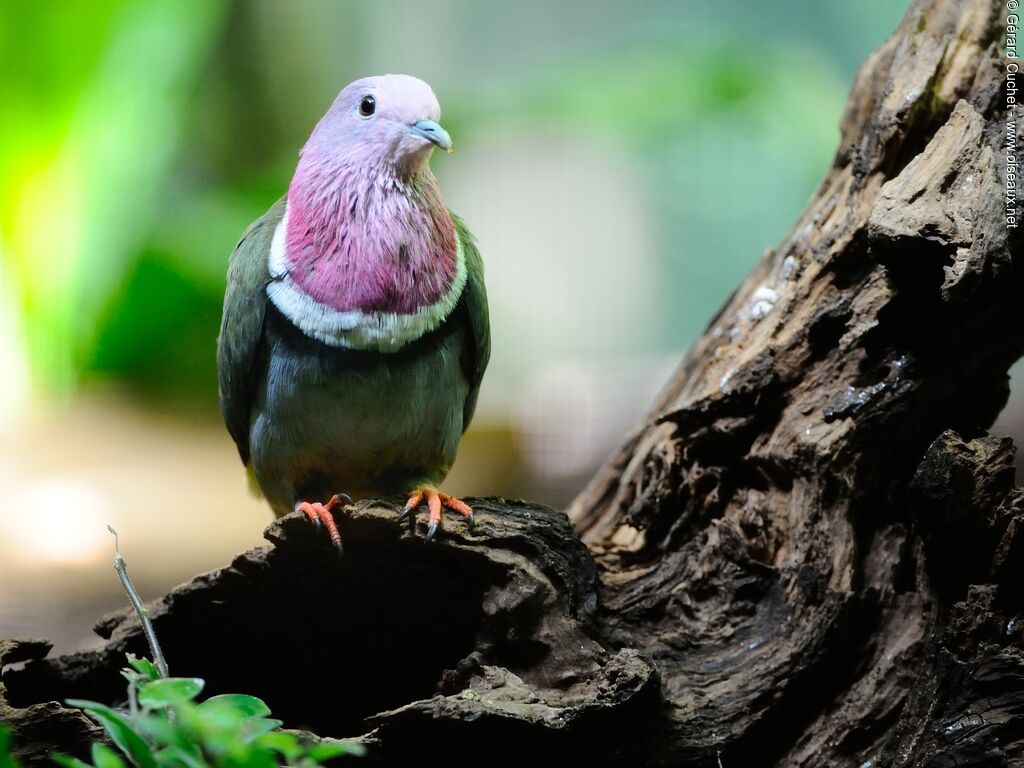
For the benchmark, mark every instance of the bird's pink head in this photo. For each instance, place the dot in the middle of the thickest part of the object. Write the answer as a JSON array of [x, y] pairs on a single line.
[[388, 119], [367, 229]]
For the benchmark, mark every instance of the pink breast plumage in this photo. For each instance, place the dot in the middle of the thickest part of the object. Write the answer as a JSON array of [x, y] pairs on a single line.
[[358, 241]]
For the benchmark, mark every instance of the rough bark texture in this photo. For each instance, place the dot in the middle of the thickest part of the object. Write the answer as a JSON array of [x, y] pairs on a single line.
[[810, 554], [432, 652]]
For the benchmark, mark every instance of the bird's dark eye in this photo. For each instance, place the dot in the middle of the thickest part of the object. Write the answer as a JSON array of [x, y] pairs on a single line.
[[367, 106]]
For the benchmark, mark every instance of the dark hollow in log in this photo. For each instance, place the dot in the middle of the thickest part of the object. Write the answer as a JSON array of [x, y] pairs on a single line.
[[492, 629], [809, 554]]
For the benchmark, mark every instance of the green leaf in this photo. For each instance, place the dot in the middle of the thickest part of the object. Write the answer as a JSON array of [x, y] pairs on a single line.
[[104, 757], [259, 726], [144, 667], [255, 759], [67, 761], [173, 690], [285, 744], [6, 759], [248, 706], [121, 733], [325, 750], [172, 755], [156, 727]]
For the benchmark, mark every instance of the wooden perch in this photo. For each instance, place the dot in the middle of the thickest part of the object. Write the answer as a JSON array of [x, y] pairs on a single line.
[[809, 554], [430, 650]]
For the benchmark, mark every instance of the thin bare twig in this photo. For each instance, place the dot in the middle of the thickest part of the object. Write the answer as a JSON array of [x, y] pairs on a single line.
[[140, 608], [133, 699]]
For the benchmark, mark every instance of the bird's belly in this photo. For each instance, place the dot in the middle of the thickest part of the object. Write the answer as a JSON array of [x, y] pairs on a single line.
[[330, 421]]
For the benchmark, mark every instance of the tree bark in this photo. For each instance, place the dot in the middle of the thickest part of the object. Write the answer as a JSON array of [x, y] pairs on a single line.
[[809, 554]]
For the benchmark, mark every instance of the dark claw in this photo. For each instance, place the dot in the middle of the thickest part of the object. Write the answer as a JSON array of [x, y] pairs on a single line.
[[470, 522], [431, 530], [339, 548], [405, 513], [342, 499], [317, 522]]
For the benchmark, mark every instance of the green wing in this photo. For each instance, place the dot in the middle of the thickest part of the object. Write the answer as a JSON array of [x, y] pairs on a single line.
[[241, 328], [474, 301]]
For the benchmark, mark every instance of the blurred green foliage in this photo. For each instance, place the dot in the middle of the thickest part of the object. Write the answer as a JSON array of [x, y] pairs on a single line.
[[6, 758], [90, 114], [140, 137]]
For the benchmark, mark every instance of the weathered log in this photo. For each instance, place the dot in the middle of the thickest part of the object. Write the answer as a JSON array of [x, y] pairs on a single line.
[[809, 554], [400, 642], [778, 535]]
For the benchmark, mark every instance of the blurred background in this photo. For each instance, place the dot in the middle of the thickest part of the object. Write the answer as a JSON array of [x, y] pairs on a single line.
[[623, 164]]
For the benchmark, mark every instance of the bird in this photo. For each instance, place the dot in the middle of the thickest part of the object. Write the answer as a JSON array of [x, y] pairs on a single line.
[[355, 330]]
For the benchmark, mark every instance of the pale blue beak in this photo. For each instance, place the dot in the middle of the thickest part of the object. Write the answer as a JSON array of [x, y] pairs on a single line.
[[433, 133]]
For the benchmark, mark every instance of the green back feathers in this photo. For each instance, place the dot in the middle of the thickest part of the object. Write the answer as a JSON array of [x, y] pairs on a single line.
[[474, 300], [239, 367]]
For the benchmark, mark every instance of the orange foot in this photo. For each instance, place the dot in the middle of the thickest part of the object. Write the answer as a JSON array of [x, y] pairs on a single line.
[[320, 515], [435, 499]]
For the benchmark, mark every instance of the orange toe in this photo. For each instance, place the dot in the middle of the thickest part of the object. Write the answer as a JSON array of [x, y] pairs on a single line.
[[456, 504], [320, 515], [436, 501]]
